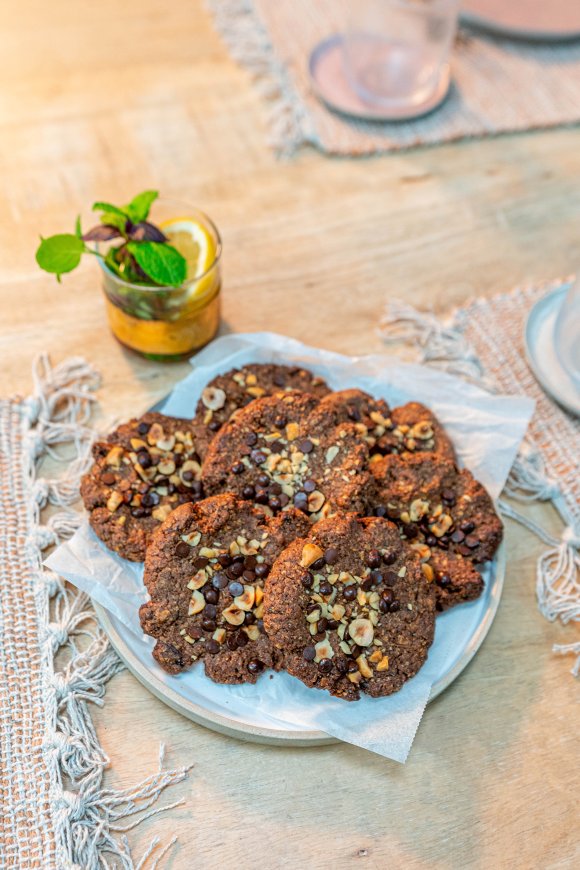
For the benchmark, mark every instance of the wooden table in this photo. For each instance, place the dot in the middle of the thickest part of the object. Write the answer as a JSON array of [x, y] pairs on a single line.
[[103, 100]]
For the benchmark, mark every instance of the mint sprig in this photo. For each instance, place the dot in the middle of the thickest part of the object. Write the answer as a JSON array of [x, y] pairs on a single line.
[[144, 255]]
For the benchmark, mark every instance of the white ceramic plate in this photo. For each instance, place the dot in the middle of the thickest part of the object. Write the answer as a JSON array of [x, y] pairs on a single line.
[[535, 20], [474, 619], [541, 353]]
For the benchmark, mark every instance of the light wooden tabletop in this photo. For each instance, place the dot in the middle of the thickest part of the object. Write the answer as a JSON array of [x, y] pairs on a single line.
[[103, 100]]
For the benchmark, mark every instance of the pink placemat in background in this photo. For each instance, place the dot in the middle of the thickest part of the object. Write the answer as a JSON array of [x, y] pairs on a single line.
[[499, 85]]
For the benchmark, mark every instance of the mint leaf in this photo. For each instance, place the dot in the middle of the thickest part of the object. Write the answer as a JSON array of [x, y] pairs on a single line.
[[60, 254], [107, 207], [115, 220], [161, 262], [78, 230], [138, 208]]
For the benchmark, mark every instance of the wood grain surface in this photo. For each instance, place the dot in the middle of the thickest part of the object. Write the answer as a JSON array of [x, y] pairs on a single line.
[[103, 100]]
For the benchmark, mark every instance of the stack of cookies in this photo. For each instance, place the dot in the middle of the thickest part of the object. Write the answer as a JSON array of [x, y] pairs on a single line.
[[286, 526]]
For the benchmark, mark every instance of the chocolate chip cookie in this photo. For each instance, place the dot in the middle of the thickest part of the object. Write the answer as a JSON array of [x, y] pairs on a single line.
[[278, 453], [436, 504], [456, 579], [143, 470], [225, 394], [414, 429], [350, 608], [370, 416], [205, 571]]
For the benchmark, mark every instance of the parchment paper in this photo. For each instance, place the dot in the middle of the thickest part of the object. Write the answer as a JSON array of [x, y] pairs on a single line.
[[486, 431]]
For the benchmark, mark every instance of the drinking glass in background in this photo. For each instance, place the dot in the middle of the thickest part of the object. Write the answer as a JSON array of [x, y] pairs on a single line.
[[567, 334], [396, 52]]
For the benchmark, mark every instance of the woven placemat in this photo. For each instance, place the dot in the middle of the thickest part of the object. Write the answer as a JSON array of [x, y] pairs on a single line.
[[55, 813], [500, 85]]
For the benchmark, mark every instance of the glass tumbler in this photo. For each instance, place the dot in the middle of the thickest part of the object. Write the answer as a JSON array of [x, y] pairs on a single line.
[[396, 51]]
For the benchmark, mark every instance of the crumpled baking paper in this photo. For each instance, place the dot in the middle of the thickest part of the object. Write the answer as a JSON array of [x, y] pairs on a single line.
[[486, 430]]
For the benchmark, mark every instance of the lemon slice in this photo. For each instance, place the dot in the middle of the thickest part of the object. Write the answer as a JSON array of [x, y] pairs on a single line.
[[194, 242]]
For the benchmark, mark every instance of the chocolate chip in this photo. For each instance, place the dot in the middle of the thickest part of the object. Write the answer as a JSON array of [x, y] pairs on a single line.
[[366, 584], [448, 496], [309, 653], [242, 638], [325, 666], [390, 578], [457, 536], [219, 580], [235, 589], [275, 488], [352, 666], [309, 485], [249, 575], [389, 557], [330, 555], [255, 666], [394, 606], [225, 560], [250, 562], [280, 421], [341, 665], [238, 468], [274, 503], [384, 606], [208, 624], [261, 497], [150, 499], [195, 632], [232, 639], [200, 563], [143, 428], [387, 595], [139, 512], [236, 570], [380, 511], [431, 541], [301, 501], [306, 445], [472, 541], [239, 559], [463, 550], [322, 623], [262, 570], [307, 580], [144, 459], [214, 425], [332, 624], [251, 439], [212, 647], [108, 478], [248, 492], [349, 592], [376, 577], [263, 480], [319, 564], [210, 610], [276, 447], [211, 595], [467, 527], [373, 559], [258, 457], [182, 550], [249, 618], [325, 588], [444, 580], [187, 475], [283, 499]]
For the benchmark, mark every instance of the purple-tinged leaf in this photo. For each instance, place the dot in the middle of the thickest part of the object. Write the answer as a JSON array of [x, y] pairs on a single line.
[[146, 232], [101, 233]]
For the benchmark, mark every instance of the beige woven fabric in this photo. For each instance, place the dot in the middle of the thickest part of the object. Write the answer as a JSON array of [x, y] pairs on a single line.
[[494, 328], [54, 811], [27, 830], [500, 85]]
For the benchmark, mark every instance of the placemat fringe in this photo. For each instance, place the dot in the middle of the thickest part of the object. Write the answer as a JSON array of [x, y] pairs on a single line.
[[87, 818]]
